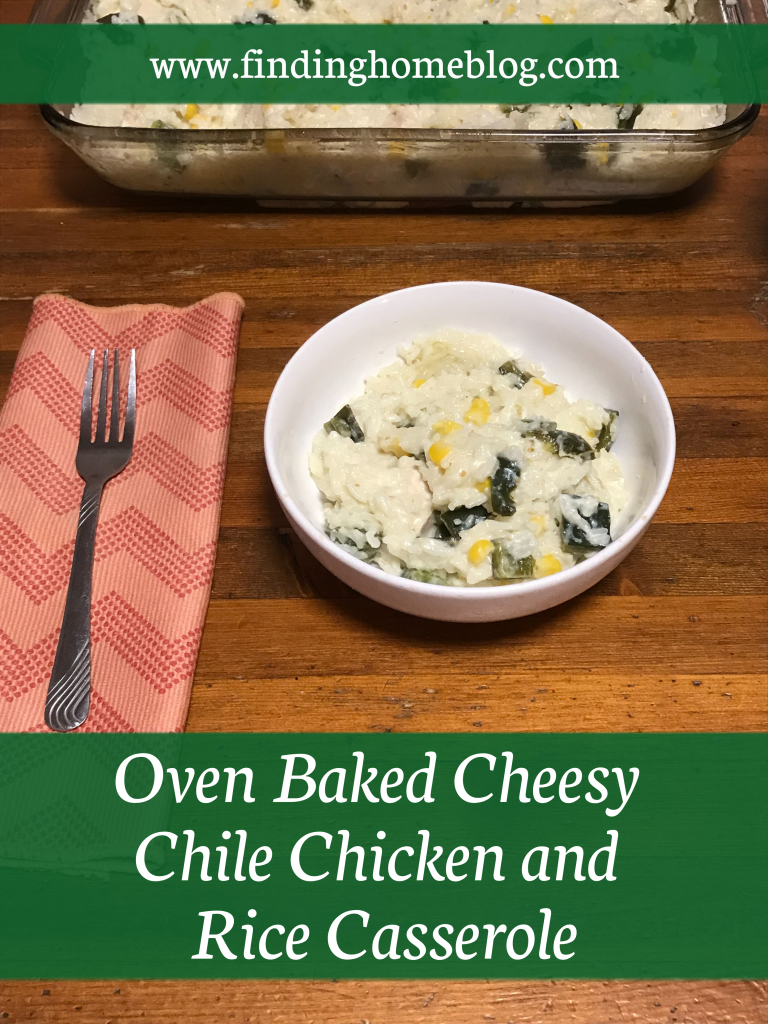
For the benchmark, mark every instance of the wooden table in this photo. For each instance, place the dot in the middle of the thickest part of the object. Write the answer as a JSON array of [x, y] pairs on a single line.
[[680, 637]]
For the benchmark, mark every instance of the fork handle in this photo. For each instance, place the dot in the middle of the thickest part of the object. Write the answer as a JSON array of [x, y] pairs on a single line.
[[69, 691]]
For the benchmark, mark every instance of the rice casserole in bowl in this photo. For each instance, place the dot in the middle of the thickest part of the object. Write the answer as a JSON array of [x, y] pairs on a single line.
[[460, 465]]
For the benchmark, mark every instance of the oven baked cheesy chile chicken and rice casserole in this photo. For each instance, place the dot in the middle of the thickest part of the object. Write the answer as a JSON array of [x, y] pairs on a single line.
[[492, 116], [460, 465]]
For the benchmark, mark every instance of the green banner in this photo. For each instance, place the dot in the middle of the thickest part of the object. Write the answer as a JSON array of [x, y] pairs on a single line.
[[337, 855], [512, 64]]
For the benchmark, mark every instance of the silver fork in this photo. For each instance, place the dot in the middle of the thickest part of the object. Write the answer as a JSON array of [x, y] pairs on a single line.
[[69, 691]]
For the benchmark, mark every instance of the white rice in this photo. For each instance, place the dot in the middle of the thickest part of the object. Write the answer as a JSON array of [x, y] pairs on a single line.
[[438, 424], [286, 116]]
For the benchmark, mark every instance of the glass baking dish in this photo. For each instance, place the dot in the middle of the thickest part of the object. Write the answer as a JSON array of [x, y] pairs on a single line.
[[397, 167]]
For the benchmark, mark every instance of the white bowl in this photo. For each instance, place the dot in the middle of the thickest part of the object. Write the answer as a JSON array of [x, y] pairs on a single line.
[[575, 348]]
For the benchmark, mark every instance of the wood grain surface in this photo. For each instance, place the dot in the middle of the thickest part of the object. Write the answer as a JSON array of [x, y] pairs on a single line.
[[680, 642]]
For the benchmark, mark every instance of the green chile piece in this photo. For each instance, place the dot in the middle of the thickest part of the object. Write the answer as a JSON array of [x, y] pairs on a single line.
[[575, 537], [436, 576], [628, 112], [507, 567], [365, 552], [112, 19], [608, 432], [559, 442], [505, 479], [344, 423], [449, 524], [512, 370], [167, 152]]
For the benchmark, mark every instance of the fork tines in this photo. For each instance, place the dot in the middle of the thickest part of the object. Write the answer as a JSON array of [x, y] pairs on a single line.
[[86, 412]]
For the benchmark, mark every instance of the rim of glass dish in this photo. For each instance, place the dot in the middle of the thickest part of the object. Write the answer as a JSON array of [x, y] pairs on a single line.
[[741, 123]]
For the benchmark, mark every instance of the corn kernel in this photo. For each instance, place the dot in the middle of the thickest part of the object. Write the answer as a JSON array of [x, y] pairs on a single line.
[[547, 565], [546, 387], [545, 20], [578, 124], [537, 522], [483, 485], [478, 413], [479, 551], [191, 111], [445, 427], [418, 382], [275, 3], [439, 451], [604, 153]]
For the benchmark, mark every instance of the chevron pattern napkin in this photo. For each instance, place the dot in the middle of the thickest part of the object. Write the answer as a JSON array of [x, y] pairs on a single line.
[[156, 540]]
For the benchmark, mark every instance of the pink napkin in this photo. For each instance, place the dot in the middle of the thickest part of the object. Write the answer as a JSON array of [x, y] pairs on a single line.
[[156, 539]]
